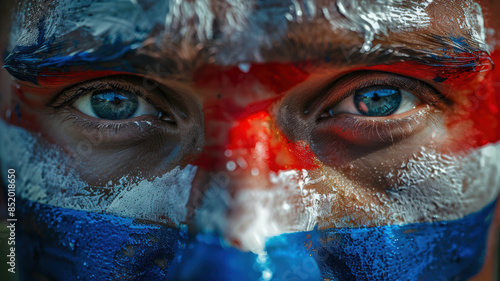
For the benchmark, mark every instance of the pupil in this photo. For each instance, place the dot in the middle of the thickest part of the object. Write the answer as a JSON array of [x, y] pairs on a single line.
[[114, 105], [377, 101]]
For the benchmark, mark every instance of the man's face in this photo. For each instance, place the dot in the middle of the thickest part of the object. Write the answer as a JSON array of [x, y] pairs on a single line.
[[251, 120]]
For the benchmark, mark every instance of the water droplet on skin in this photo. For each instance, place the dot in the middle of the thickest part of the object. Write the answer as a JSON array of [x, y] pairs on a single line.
[[255, 172], [72, 244], [242, 163], [244, 67], [230, 166]]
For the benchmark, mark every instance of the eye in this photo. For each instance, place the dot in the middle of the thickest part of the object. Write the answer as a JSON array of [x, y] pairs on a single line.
[[363, 113], [380, 100], [114, 104]]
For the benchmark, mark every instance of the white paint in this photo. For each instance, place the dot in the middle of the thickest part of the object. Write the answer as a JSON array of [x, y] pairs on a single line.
[[243, 31], [441, 187], [376, 18], [44, 175], [253, 215]]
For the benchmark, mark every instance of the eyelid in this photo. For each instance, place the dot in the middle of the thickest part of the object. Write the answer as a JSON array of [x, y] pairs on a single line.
[[68, 96], [346, 86], [350, 108]]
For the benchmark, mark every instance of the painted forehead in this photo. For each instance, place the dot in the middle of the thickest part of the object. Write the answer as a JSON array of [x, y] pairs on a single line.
[[188, 33]]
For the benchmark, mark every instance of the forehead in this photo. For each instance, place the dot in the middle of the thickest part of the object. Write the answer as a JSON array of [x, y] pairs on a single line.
[[187, 33]]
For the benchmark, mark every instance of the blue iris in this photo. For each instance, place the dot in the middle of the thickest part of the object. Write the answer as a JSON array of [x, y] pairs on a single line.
[[114, 105], [377, 100]]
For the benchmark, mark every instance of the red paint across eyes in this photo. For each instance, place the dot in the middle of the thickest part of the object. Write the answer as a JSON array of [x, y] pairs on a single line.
[[247, 130], [279, 77], [252, 124], [250, 135], [484, 106], [475, 92]]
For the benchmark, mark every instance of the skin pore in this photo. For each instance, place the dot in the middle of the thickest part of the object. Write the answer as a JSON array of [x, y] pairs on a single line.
[[256, 102]]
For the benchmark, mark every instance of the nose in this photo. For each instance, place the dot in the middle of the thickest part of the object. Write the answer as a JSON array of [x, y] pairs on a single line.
[[247, 183], [246, 147]]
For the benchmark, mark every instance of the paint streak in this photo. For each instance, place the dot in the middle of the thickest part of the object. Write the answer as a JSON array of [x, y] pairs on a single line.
[[481, 108], [256, 137], [456, 70], [27, 63]]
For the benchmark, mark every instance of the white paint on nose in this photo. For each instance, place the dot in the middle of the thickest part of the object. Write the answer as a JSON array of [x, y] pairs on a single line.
[[251, 215]]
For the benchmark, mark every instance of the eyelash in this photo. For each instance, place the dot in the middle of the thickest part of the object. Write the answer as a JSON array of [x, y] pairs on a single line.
[[111, 131], [69, 97], [373, 130], [411, 85]]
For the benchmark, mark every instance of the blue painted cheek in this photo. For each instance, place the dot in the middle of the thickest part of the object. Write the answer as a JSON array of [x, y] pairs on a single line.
[[63, 244]]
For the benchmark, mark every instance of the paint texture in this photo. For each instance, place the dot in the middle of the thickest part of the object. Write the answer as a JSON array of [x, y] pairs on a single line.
[[169, 35], [106, 246], [281, 213], [45, 177]]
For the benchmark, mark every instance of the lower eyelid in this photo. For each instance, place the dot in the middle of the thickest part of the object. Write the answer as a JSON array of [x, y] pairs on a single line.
[[113, 132], [376, 129], [338, 141]]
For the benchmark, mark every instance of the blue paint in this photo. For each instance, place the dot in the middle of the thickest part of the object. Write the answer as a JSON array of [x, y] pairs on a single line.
[[63, 244], [452, 250], [206, 257], [17, 110], [26, 63], [23, 59], [460, 44], [439, 79]]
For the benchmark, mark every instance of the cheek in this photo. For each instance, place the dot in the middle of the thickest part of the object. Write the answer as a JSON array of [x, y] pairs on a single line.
[[46, 174], [407, 186]]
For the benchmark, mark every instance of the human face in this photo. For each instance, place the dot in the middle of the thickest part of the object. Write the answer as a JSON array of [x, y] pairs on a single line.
[[153, 137]]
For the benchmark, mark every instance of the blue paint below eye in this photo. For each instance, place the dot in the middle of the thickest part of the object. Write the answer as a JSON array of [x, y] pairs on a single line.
[[63, 244]]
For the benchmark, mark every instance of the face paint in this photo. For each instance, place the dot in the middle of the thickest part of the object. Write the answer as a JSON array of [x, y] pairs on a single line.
[[132, 46], [262, 191], [162, 200], [443, 249]]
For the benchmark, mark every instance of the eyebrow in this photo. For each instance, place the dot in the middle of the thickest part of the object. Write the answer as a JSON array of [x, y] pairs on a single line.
[[47, 56]]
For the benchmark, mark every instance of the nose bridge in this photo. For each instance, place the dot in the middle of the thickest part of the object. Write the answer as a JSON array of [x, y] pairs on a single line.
[[250, 146], [247, 159]]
